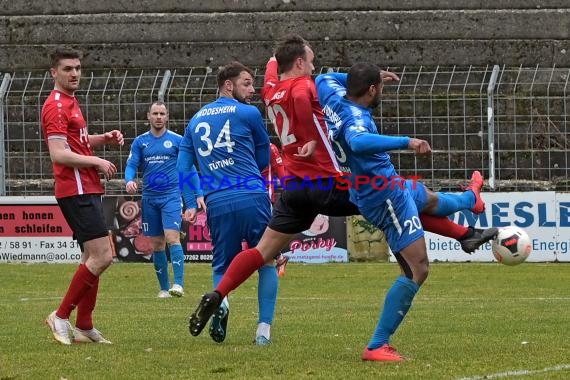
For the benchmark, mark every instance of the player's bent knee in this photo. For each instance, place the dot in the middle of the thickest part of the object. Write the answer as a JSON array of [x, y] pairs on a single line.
[[420, 274], [420, 269]]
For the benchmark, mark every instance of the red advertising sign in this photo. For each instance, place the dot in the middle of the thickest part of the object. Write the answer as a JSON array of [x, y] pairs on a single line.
[[33, 230], [21, 220]]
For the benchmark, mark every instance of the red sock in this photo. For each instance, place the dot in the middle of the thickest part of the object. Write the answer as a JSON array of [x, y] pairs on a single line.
[[80, 284], [442, 225], [241, 267], [85, 308]]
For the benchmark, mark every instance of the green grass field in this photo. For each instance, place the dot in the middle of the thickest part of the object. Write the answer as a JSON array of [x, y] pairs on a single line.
[[468, 321]]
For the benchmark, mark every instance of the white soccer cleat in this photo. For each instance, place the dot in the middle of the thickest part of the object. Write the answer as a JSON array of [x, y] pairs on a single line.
[[60, 328], [176, 291], [89, 336], [164, 294]]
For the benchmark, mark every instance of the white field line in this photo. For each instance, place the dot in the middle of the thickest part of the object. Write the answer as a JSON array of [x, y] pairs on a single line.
[[520, 372]]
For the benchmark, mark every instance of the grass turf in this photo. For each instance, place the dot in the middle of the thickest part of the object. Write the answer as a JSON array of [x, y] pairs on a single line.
[[468, 321]]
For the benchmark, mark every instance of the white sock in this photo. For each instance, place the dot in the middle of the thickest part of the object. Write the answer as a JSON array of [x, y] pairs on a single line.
[[263, 329]]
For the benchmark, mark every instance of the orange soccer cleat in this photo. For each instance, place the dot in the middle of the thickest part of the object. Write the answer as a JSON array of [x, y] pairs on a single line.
[[386, 353]]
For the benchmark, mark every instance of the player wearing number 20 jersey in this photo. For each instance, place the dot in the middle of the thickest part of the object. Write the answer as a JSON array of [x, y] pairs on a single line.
[[228, 140]]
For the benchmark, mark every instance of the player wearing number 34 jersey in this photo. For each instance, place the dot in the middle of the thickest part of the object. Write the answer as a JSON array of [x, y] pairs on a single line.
[[228, 140]]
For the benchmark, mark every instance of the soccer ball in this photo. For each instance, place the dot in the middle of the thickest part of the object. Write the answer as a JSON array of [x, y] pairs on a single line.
[[511, 246]]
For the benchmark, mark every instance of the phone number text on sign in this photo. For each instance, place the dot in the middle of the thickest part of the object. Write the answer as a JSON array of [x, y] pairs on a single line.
[[39, 250]]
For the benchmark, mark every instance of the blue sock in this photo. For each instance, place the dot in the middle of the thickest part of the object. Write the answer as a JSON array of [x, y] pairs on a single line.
[[396, 304], [267, 293], [216, 278], [177, 260], [451, 203], [161, 269]]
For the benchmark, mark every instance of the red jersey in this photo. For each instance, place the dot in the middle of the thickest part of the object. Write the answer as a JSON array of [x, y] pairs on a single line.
[[62, 119], [295, 112], [275, 169]]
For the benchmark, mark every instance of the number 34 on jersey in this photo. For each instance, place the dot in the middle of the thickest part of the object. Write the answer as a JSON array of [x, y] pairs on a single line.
[[223, 140]]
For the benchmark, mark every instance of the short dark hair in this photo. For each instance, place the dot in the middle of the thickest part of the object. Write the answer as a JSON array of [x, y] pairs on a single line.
[[288, 50], [231, 71], [157, 103], [360, 77], [63, 52]]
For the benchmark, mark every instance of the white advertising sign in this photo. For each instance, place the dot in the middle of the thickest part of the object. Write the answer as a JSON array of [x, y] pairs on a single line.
[[544, 215]]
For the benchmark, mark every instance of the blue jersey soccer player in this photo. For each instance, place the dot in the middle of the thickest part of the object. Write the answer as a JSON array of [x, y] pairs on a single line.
[[228, 140], [156, 152], [393, 210], [331, 88]]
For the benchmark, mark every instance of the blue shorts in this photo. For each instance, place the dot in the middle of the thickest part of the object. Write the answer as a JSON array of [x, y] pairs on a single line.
[[161, 213], [418, 192], [398, 218], [233, 220]]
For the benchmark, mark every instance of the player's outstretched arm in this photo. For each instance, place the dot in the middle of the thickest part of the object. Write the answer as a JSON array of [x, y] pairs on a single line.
[[370, 143]]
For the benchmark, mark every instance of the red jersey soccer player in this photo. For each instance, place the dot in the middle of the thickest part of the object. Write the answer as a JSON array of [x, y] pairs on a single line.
[[78, 192]]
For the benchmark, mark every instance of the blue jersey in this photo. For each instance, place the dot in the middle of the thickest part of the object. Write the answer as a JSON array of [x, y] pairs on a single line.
[[229, 142], [156, 158], [376, 189], [347, 121]]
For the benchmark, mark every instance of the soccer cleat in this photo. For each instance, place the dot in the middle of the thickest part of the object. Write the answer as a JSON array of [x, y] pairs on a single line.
[[280, 263], [176, 291], [89, 336], [60, 328], [164, 294], [476, 237], [262, 341], [207, 306], [386, 353], [219, 325], [475, 186]]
